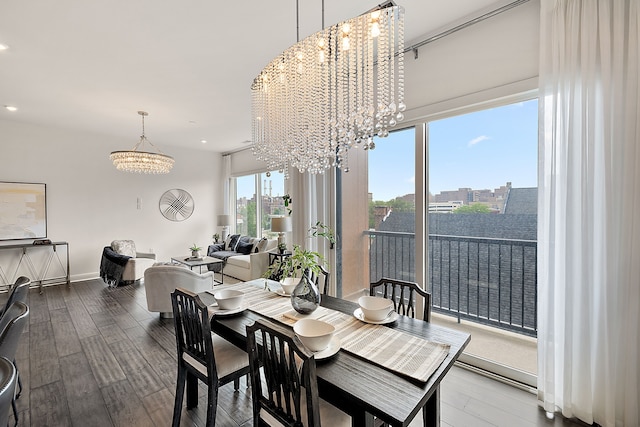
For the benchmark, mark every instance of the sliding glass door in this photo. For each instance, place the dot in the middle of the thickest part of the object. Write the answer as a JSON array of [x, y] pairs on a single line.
[[482, 223]]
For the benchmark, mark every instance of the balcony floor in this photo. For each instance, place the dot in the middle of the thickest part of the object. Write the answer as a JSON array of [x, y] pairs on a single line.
[[496, 345]]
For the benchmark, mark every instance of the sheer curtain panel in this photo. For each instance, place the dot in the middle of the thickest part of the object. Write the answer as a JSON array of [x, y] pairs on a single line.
[[589, 211]]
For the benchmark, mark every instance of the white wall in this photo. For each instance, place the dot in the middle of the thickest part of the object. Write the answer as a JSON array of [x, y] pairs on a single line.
[[90, 203]]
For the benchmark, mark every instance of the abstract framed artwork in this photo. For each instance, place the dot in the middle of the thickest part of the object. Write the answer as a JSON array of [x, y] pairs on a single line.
[[23, 211]]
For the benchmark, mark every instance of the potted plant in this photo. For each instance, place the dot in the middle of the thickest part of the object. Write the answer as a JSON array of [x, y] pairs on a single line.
[[216, 238], [300, 260], [282, 247], [287, 201], [322, 230], [300, 269], [195, 251]]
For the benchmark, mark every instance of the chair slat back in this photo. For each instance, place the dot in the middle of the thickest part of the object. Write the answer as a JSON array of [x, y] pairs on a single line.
[[192, 328], [323, 285], [289, 371], [403, 294], [18, 292], [12, 324]]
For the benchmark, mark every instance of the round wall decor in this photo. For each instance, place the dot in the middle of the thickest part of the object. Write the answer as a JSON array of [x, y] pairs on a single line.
[[176, 205]]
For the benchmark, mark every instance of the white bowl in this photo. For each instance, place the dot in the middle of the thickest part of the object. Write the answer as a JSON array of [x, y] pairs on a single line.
[[314, 334], [228, 299], [375, 308], [288, 284]]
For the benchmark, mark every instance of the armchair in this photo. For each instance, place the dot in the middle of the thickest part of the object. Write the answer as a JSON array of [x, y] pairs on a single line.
[[121, 263], [161, 280]]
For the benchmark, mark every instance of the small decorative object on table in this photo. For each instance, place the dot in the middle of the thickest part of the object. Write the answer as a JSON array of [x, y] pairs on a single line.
[[282, 247], [216, 238], [195, 251], [305, 297]]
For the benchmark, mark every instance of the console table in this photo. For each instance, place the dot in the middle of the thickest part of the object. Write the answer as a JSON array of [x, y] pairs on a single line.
[[38, 261]]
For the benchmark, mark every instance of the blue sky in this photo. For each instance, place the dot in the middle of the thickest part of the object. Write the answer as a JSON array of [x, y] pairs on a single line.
[[479, 150]]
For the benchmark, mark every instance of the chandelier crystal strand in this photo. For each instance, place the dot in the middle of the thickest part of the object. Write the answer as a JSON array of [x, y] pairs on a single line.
[[401, 105], [392, 68], [333, 90]]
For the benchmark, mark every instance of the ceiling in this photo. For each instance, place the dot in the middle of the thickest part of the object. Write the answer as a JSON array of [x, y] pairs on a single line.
[[91, 65]]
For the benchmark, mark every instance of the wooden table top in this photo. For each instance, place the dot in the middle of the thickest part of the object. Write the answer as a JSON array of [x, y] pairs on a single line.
[[356, 385]]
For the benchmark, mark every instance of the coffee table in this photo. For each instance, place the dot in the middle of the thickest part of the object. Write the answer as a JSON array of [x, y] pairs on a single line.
[[200, 262]]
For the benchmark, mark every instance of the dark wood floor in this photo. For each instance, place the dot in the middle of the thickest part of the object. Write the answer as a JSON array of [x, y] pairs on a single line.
[[94, 356]]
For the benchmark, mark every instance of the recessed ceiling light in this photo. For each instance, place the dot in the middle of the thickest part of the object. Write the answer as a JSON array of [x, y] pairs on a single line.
[[11, 108], [204, 141], [3, 47]]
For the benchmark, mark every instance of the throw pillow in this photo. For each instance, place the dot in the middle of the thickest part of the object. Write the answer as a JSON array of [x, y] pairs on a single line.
[[124, 247], [254, 241], [244, 248], [215, 248], [261, 245], [233, 242]]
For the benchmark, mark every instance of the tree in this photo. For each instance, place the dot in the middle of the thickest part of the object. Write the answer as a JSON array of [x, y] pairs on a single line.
[[472, 209], [251, 219]]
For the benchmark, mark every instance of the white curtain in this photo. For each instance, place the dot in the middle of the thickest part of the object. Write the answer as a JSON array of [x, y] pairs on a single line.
[[226, 179], [589, 211], [312, 197]]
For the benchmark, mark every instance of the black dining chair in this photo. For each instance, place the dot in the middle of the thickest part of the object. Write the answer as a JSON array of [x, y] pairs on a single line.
[[403, 294], [18, 292], [285, 390], [202, 355], [12, 323], [8, 380], [324, 280]]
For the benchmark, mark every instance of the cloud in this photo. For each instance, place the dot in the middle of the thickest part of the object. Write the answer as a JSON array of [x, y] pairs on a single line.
[[478, 139]]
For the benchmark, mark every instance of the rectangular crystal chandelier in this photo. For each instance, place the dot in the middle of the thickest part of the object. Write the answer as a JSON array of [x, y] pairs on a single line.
[[330, 92]]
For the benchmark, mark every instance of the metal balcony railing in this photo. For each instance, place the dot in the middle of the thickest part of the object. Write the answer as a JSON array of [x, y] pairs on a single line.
[[484, 280]]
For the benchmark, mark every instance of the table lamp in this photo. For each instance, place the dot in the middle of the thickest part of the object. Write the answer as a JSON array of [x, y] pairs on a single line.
[[281, 225], [225, 222]]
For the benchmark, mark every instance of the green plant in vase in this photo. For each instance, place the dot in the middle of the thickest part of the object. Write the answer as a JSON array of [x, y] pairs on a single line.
[[195, 251], [302, 267]]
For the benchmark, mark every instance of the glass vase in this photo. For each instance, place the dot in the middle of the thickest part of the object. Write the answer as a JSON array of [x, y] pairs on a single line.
[[305, 297]]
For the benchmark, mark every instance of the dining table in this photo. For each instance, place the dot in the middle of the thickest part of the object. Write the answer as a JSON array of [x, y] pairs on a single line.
[[359, 386]]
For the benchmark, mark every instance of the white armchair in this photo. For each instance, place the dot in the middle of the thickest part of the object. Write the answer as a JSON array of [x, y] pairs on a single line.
[[139, 262], [162, 279], [122, 264]]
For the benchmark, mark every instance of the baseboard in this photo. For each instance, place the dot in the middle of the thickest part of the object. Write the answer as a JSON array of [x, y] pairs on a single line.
[[497, 377]]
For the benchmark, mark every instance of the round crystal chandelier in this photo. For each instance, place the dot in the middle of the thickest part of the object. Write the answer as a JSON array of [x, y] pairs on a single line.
[[140, 161], [330, 92]]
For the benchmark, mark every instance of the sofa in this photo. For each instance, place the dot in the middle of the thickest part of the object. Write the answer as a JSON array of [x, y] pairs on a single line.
[[245, 258], [163, 278]]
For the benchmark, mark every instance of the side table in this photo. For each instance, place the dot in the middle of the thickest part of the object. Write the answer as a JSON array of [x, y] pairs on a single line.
[[280, 256]]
